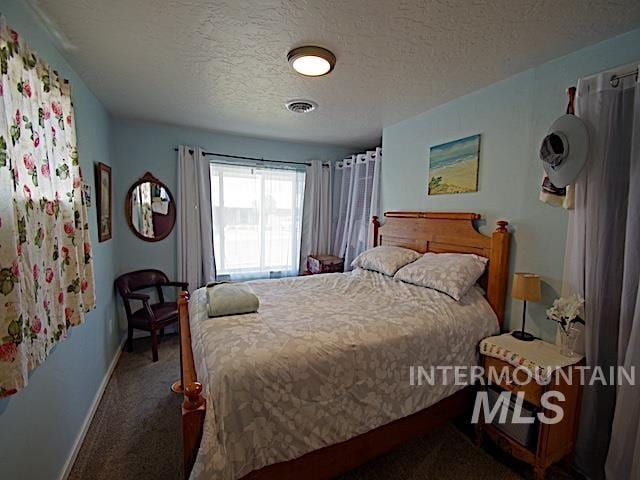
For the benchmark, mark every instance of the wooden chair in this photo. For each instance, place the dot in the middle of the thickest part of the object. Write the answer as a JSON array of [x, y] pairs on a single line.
[[152, 317]]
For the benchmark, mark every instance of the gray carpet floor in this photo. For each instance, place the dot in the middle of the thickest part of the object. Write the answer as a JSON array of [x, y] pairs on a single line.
[[135, 434]]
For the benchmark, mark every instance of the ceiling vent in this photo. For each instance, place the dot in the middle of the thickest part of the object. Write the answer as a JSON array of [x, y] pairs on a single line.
[[301, 106]]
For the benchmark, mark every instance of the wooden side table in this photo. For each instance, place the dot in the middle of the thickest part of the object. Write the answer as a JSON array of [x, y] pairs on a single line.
[[555, 442]]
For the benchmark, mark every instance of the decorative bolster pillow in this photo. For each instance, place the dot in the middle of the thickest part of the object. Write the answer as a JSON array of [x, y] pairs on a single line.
[[450, 273], [226, 298], [385, 259]]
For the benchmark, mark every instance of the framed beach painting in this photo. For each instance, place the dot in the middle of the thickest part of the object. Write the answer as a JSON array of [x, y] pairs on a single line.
[[453, 166], [103, 201]]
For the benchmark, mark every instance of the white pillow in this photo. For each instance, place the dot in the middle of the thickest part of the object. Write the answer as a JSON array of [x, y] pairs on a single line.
[[385, 259], [450, 273]]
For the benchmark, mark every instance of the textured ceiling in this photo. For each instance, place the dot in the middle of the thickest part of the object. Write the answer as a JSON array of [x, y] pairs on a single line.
[[221, 65]]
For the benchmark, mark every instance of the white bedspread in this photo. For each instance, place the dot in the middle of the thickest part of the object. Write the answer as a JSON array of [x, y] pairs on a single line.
[[326, 359]]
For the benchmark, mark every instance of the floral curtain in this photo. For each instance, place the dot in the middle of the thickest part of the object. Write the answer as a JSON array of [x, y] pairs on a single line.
[[46, 274]]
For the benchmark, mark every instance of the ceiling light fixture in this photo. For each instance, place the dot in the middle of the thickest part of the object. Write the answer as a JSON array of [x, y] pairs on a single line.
[[311, 61]]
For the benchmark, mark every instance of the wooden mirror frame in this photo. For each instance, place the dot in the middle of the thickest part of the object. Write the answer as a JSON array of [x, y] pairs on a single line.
[[148, 177]]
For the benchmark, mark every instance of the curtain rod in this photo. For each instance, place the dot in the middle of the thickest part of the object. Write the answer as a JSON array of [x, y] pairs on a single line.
[[213, 154], [615, 80]]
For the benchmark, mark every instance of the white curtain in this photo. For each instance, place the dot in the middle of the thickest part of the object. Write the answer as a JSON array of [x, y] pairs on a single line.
[[357, 180], [196, 261], [316, 215], [603, 265]]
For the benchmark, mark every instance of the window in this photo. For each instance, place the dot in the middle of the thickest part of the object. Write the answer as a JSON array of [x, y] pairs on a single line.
[[257, 219]]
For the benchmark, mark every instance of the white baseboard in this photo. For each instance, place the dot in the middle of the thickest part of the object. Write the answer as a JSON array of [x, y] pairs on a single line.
[[68, 465]]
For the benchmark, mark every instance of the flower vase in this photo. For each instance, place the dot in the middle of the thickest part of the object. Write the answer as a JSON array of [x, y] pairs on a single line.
[[568, 340]]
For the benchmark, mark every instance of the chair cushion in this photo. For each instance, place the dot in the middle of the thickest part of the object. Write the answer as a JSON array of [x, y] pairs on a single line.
[[166, 312]]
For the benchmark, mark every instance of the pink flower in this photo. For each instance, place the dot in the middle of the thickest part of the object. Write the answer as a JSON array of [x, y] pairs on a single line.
[[47, 113], [27, 192], [26, 88], [14, 36], [65, 252], [57, 108], [36, 140], [68, 119], [45, 305], [8, 352], [36, 272], [18, 117], [15, 269], [28, 161], [68, 313], [69, 229], [53, 131], [61, 298], [83, 286], [49, 208], [44, 170], [36, 325], [87, 248], [48, 274], [19, 249]]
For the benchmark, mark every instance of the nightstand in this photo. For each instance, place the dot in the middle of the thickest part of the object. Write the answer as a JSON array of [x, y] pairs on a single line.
[[539, 444]]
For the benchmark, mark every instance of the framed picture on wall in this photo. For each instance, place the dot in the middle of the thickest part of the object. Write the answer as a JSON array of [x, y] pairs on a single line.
[[103, 201], [453, 166]]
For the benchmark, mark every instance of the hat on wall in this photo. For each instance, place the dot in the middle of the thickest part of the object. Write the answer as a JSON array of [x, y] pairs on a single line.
[[564, 150]]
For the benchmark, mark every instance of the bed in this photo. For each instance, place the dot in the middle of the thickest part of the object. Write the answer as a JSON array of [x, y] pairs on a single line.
[[318, 382]]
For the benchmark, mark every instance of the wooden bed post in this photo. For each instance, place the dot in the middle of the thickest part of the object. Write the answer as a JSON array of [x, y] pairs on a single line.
[[194, 404], [193, 411], [499, 269], [375, 225]]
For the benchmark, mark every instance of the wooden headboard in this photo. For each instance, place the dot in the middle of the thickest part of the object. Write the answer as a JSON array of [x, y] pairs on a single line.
[[441, 232]]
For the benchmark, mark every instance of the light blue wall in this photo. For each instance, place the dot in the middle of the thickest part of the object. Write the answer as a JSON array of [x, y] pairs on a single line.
[[513, 116], [39, 425], [141, 146]]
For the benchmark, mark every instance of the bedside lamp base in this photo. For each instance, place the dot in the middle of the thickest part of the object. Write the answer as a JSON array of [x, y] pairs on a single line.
[[524, 336], [521, 334]]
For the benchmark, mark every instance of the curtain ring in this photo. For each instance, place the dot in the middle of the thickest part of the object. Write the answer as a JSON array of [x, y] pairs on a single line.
[[614, 81]]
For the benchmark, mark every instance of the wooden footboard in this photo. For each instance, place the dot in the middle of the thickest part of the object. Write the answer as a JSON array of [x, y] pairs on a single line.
[[194, 404], [334, 460]]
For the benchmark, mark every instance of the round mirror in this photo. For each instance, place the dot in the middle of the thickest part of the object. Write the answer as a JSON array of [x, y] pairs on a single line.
[[150, 209]]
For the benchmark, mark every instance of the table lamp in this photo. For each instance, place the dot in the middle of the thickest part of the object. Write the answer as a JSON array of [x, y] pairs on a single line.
[[526, 287]]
